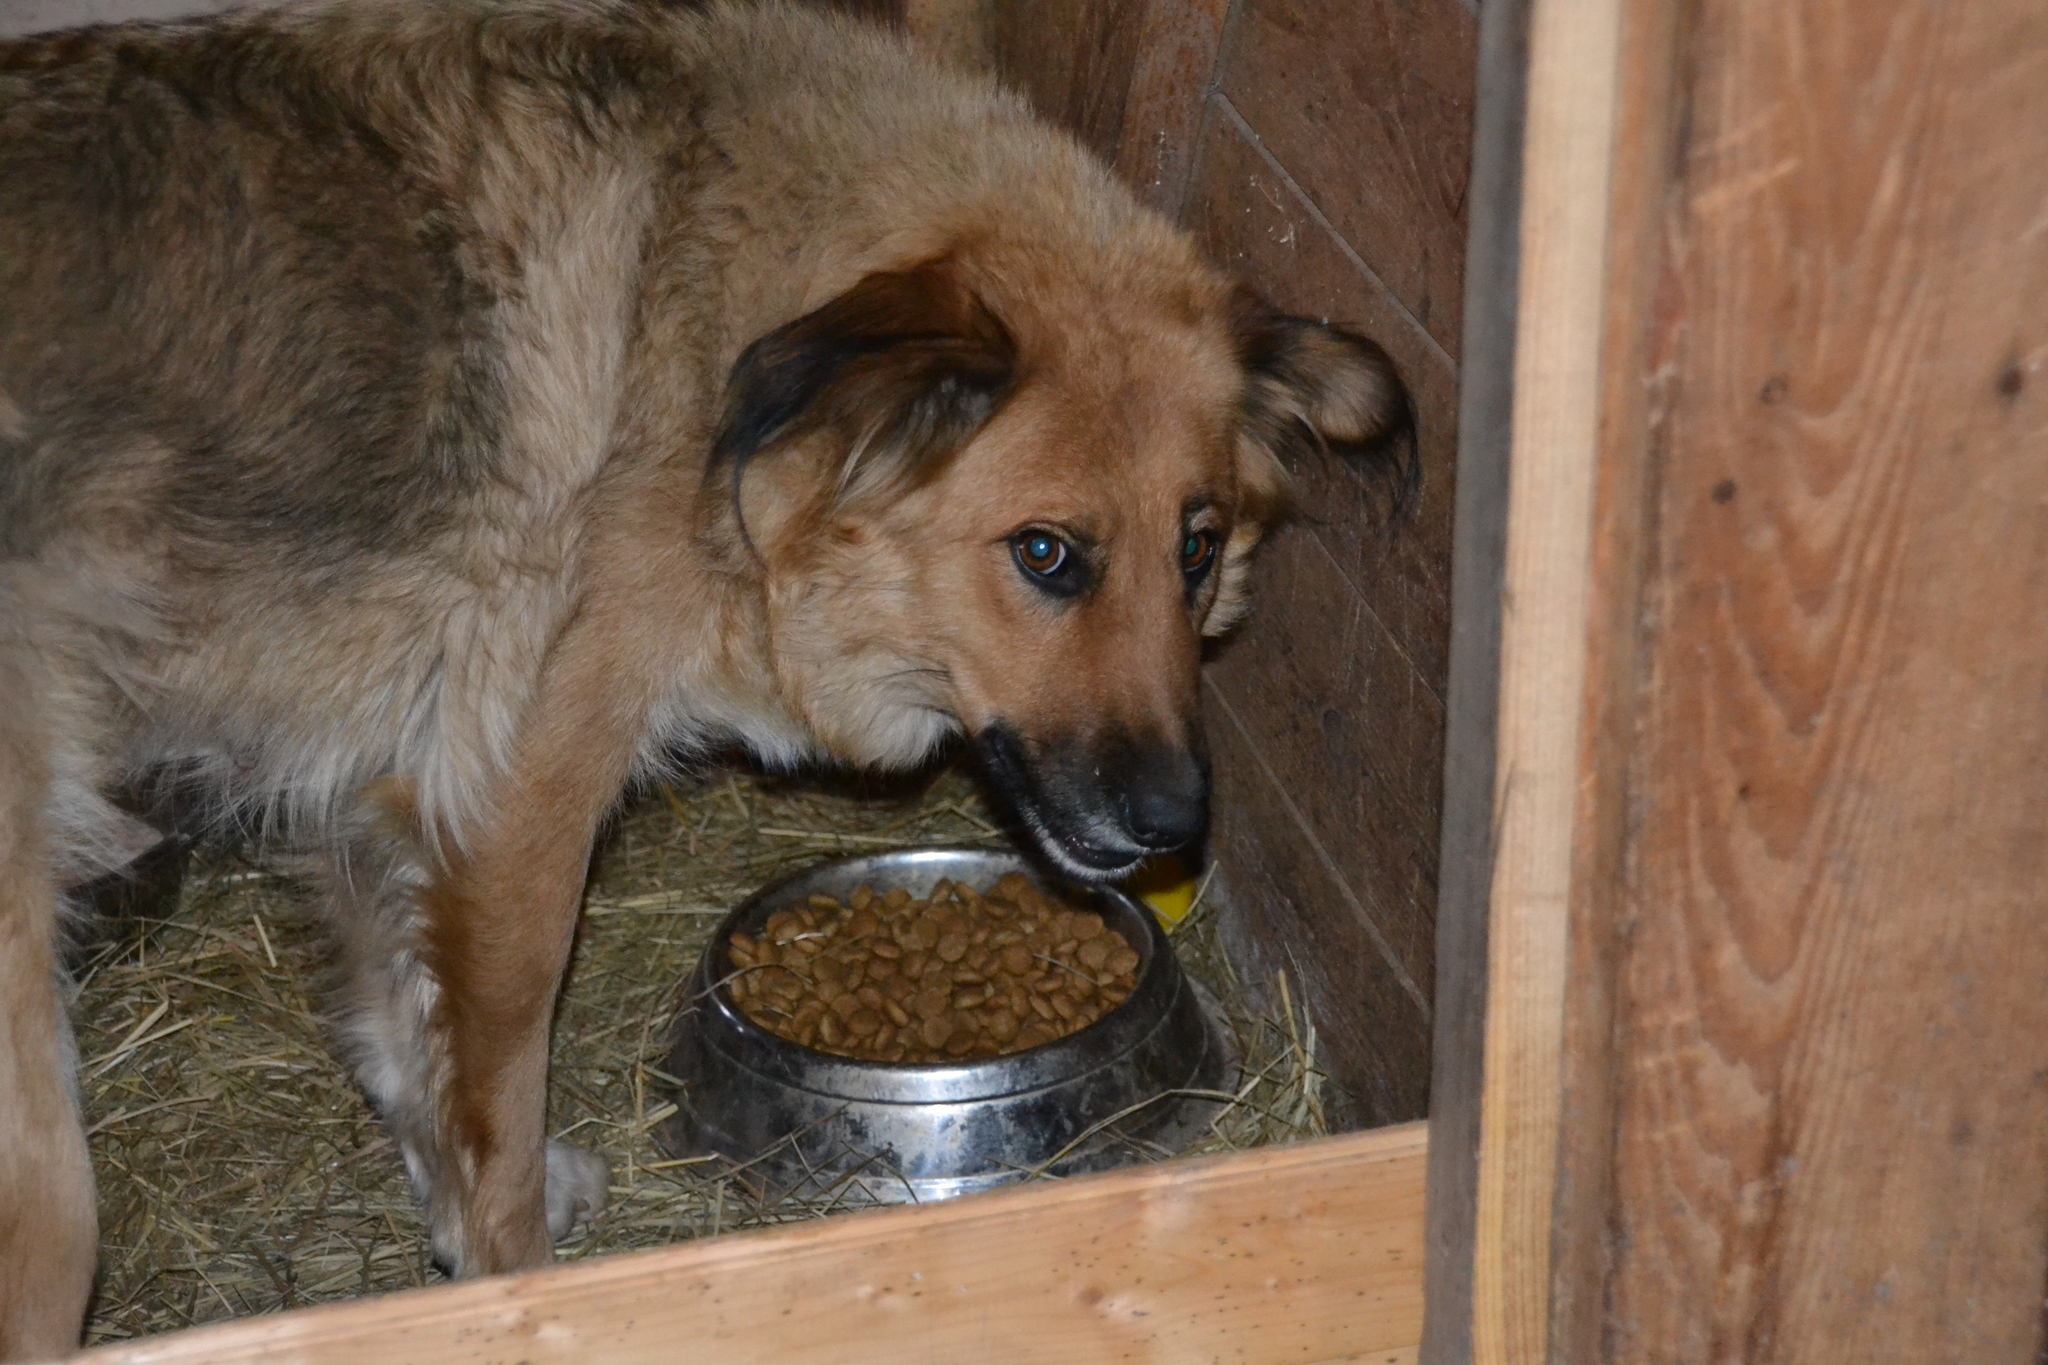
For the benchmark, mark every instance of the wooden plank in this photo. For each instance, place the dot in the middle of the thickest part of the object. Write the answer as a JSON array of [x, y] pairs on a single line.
[[1566, 161], [1275, 1257], [1639, 328], [1326, 748], [1774, 1062], [1832, 1116], [1177, 54], [1075, 59], [1351, 742], [1369, 106], [1285, 909], [1126, 76], [1486, 397]]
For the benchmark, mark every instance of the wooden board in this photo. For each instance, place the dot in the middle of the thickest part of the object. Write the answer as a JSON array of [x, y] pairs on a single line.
[[1327, 712], [1832, 1017], [1128, 77], [1566, 161], [1767, 1036], [1251, 218], [1369, 106], [1472, 695], [1282, 1256]]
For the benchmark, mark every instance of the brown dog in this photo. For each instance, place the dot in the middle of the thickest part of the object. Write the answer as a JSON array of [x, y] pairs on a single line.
[[417, 417]]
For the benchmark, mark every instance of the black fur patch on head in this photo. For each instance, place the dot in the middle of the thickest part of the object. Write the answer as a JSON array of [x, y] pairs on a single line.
[[903, 368], [1312, 387]]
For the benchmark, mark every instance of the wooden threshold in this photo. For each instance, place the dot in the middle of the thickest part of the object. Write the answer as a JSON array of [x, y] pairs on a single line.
[[1302, 1255]]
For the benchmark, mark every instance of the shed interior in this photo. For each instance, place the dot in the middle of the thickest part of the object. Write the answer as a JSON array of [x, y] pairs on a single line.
[[1319, 150]]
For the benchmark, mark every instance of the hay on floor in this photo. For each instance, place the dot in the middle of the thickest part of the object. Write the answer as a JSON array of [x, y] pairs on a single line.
[[240, 1172]]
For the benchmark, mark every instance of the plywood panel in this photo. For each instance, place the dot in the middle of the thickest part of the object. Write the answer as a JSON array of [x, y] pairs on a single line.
[[1290, 1255], [1369, 107], [1833, 1087]]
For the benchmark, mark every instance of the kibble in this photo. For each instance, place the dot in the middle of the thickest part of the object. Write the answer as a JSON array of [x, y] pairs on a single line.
[[891, 978]]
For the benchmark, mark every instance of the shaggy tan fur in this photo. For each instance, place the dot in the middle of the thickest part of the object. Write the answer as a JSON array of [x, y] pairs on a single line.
[[419, 417]]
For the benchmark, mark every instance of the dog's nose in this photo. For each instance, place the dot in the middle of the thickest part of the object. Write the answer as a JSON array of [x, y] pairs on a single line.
[[1167, 803]]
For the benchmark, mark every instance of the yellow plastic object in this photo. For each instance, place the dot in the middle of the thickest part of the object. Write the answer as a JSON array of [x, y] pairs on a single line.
[[1166, 885]]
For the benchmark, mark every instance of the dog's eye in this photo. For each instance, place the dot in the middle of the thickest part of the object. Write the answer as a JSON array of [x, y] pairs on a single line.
[[1196, 553], [1042, 554]]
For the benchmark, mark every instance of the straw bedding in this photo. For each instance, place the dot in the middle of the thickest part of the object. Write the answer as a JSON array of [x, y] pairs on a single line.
[[240, 1173]]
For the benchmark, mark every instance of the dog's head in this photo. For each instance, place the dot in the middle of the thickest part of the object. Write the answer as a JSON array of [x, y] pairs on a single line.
[[996, 500]]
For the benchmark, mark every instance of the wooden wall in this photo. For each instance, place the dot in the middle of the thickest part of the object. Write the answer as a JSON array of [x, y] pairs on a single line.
[[1765, 1064], [1319, 149]]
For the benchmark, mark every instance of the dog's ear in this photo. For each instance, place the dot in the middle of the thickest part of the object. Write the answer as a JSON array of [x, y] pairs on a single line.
[[1309, 386], [902, 369]]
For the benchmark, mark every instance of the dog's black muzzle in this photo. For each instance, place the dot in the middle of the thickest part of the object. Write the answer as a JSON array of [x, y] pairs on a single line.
[[1099, 807]]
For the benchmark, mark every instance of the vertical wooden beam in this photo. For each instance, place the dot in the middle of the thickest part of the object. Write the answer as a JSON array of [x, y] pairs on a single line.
[[1766, 1029], [1638, 328], [1830, 1128], [1567, 164], [1479, 548]]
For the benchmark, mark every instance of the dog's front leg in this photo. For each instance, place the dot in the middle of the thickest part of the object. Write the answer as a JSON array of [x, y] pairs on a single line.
[[498, 916], [498, 934]]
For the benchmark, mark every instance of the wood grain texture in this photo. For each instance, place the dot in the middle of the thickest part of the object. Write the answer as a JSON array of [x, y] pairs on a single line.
[[1179, 45], [1639, 327], [1075, 59], [1832, 1097], [1472, 697], [1326, 749], [1566, 164], [1289, 1255], [1126, 76], [1353, 741], [1369, 106], [1286, 911]]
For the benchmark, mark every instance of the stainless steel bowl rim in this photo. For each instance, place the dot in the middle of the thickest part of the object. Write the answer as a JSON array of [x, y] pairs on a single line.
[[1061, 1061]]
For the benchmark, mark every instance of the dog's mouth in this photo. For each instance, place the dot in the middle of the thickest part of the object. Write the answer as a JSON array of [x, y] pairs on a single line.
[[1078, 835], [1080, 859]]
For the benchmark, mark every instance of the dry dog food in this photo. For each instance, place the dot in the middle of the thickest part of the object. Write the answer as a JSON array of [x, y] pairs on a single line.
[[960, 974]]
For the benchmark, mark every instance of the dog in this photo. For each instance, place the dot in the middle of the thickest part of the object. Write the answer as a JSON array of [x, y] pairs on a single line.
[[421, 418]]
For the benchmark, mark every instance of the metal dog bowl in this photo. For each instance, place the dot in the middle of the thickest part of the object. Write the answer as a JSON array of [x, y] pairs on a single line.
[[797, 1121]]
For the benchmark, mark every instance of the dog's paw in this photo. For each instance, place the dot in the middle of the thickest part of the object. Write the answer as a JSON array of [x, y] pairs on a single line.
[[578, 1183]]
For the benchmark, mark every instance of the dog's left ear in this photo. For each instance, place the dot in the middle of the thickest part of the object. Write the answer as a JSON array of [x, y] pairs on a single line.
[[902, 369], [1310, 386]]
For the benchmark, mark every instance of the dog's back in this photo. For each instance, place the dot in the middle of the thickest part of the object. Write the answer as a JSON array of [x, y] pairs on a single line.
[[316, 324]]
